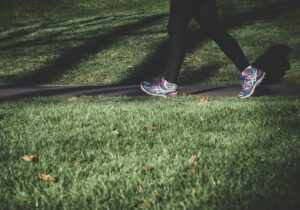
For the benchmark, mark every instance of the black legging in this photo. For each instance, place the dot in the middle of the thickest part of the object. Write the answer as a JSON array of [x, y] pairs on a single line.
[[206, 14]]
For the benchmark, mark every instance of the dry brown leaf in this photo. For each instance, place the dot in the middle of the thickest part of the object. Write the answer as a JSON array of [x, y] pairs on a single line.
[[91, 79], [72, 98], [193, 191], [147, 168], [203, 101], [30, 158], [156, 197], [192, 170], [140, 189], [115, 132], [192, 159], [151, 127], [46, 178], [67, 119], [78, 162], [140, 203], [233, 109], [183, 109], [221, 70], [167, 150]]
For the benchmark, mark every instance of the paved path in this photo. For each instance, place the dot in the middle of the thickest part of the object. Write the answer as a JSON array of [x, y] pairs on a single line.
[[13, 92]]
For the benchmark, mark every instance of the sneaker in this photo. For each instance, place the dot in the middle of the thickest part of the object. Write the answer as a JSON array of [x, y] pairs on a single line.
[[251, 77], [161, 88]]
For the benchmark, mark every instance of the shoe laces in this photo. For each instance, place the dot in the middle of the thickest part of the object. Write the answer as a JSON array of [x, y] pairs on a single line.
[[248, 80], [159, 83], [156, 83], [246, 84]]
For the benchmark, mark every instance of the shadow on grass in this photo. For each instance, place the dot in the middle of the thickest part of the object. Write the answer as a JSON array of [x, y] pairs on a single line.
[[50, 38], [206, 71], [285, 194], [274, 62], [21, 32], [74, 56], [154, 64]]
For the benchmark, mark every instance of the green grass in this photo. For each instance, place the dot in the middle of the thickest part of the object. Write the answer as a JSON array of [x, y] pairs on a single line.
[[105, 47], [247, 153], [100, 150]]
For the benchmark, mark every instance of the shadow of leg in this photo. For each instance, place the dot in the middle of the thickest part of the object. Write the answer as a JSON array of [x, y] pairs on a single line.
[[74, 56], [274, 62], [153, 65], [198, 75]]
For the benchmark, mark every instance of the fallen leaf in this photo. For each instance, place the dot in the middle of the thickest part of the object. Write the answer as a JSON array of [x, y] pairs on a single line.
[[77, 129], [78, 162], [221, 70], [192, 170], [192, 159], [46, 178], [140, 189], [147, 168], [115, 132], [151, 127], [30, 158], [72, 98], [91, 79], [140, 203], [183, 109], [167, 150], [233, 109], [156, 197], [193, 191], [66, 119], [203, 101]]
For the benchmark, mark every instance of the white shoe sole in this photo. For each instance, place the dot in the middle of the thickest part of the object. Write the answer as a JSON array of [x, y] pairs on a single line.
[[152, 94]]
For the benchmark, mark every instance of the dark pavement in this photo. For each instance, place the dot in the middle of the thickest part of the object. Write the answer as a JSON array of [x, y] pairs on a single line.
[[17, 92]]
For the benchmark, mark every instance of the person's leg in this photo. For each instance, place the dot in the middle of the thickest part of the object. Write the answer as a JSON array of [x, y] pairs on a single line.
[[181, 12], [207, 16]]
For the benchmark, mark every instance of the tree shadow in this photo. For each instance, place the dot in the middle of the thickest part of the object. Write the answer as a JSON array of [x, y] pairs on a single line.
[[274, 62], [74, 56], [51, 37], [30, 43], [22, 32], [68, 91], [288, 197]]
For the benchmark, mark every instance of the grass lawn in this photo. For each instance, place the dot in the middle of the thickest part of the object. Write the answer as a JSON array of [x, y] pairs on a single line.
[[143, 152]]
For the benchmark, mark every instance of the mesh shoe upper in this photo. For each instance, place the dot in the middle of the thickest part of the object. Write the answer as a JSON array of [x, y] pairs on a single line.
[[251, 78], [159, 88]]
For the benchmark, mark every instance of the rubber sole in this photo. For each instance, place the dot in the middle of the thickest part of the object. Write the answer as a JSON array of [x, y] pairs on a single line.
[[152, 94]]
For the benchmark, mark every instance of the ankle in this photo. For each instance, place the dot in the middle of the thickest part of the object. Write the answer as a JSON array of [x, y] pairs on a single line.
[[170, 85]]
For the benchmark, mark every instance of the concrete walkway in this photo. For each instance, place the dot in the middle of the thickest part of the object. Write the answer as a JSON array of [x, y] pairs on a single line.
[[15, 92]]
